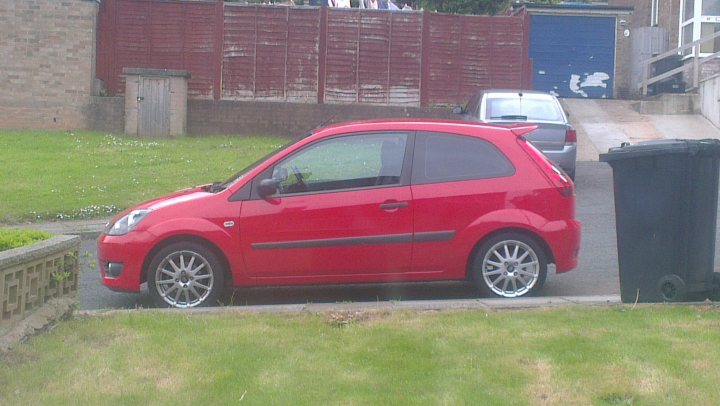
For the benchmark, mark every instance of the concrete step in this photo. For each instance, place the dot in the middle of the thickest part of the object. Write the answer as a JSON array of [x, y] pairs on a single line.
[[602, 124], [669, 103]]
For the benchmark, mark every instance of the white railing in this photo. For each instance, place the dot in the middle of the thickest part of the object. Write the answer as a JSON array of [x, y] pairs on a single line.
[[697, 60]]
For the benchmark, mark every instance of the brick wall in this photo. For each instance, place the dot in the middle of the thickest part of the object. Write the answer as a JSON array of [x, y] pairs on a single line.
[[47, 50], [623, 57], [107, 114], [287, 119], [668, 15], [207, 117]]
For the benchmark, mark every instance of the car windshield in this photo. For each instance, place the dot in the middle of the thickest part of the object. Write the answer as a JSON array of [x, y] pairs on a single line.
[[236, 177], [513, 107]]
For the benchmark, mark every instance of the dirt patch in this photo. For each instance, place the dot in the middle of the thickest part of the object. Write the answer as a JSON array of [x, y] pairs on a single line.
[[344, 318]]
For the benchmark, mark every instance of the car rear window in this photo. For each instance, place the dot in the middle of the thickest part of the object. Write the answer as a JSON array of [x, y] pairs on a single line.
[[443, 157], [535, 109]]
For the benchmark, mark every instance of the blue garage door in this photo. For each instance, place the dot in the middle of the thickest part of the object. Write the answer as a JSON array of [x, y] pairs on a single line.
[[573, 56]]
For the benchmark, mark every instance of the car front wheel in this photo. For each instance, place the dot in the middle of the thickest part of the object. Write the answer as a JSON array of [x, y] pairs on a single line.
[[509, 265], [183, 275]]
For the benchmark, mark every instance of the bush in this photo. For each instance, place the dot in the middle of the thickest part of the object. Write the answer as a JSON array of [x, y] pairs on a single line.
[[10, 239]]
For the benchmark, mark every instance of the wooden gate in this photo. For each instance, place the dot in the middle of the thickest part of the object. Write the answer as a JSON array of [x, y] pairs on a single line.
[[154, 107]]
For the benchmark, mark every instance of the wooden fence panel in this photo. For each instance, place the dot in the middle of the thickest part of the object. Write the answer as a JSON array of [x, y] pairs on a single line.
[[303, 55], [405, 59], [308, 54], [467, 53], [238, 71], [159, 34], [341, 66]]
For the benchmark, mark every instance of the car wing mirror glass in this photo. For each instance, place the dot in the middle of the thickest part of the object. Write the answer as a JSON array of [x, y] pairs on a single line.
[[458, 110]]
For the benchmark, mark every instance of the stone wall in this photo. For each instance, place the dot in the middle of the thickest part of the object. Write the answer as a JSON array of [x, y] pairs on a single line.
[[208, 117], [47, 50], [288, 119], [32, 275]]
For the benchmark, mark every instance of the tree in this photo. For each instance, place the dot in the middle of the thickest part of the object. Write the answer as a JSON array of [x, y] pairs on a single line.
[[472, 6], [465, 6]]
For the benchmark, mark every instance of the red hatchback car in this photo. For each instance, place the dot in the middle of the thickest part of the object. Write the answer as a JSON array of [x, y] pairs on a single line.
[[373, 201]]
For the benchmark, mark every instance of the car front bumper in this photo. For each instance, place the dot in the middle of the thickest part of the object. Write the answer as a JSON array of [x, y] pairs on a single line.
[[121, 259]]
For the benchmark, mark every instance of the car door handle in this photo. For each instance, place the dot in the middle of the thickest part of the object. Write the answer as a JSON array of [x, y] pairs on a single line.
[[393, 205]]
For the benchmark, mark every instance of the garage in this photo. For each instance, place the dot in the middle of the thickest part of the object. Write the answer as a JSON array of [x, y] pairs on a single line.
[[573, 56]]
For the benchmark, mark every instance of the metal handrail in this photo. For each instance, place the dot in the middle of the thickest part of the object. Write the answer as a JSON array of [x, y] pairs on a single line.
[[697, 61]]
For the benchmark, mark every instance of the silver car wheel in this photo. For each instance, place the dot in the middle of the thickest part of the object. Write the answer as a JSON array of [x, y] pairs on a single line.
[[184, 279], [511, 268]]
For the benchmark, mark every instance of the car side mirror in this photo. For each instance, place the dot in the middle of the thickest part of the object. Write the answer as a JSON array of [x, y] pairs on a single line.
[[458, 110], [268, 187]]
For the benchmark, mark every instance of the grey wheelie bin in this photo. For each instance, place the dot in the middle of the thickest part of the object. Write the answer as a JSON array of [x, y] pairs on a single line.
[[666, 196]]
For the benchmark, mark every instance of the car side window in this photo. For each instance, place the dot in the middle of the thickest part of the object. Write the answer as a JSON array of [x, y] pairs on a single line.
[[345, 162], [443, 157]]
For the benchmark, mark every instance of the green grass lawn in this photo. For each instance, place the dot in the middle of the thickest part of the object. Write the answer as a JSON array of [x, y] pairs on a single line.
[[71, 175], [659, 355]]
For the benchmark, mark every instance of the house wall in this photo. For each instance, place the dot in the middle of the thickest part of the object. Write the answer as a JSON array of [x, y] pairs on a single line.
[[668, 16], [710, 99], [47, 64]]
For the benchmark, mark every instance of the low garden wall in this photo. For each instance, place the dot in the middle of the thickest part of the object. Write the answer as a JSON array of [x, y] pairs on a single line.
[[208, 117], [31, 276]]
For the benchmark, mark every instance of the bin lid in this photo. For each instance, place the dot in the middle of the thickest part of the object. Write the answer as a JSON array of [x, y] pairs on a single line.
[[662, 147]]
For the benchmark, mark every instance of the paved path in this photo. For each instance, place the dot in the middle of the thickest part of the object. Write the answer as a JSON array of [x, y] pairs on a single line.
[[603, 124]]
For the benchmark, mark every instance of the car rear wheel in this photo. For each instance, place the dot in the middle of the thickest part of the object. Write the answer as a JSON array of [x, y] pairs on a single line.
[[183, 275], [509, 265]]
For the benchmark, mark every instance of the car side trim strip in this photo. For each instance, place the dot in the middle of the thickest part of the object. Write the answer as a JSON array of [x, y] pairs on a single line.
[[434, 236], [336, 242]]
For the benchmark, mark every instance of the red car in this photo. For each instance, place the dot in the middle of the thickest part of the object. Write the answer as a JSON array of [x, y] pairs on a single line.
[[373, 201]]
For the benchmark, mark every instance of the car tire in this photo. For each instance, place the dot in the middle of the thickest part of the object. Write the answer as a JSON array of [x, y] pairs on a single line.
[[184, 275], [509, 265]]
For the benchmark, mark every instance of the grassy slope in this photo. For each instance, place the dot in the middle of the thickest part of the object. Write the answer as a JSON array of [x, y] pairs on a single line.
[[649, 355], [52, 175]]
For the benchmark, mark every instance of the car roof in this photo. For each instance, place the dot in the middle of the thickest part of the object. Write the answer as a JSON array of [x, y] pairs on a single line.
[[415, 124], [401, 124]]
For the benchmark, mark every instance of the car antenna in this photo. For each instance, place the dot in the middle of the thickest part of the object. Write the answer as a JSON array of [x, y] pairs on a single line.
[[323, 124]]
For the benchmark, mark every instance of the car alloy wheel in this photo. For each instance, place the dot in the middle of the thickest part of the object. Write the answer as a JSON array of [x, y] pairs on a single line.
[[510, 265], [185, 275]]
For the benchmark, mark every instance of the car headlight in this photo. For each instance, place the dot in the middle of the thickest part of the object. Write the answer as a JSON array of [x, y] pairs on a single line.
[[127, 222]]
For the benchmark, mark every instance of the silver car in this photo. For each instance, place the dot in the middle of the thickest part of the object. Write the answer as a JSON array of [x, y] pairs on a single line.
[[554, 136]]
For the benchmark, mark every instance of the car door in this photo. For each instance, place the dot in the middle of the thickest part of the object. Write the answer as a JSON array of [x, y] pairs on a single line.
[[342, 212], [456, 180]]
